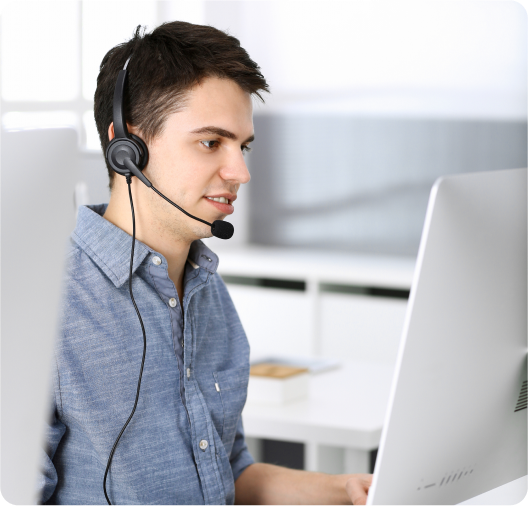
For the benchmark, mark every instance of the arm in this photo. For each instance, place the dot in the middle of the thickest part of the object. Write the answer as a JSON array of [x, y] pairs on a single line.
[[54, 431], [268, 484], [47, 478]]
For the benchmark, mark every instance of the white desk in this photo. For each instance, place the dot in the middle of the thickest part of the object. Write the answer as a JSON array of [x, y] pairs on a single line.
[[340, 423]]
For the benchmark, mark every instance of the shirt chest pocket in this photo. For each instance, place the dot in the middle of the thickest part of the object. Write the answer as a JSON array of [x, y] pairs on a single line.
[[231, 392]]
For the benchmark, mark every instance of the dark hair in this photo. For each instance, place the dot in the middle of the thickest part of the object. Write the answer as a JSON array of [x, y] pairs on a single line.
[[165, 65]]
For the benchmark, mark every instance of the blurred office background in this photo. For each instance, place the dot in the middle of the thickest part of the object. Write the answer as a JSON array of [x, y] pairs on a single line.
[[370, 102]]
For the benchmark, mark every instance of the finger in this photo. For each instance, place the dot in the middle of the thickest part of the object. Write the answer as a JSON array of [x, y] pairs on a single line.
[[357, 489]]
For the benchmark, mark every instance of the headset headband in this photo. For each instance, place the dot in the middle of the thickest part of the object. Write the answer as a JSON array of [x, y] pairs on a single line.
[[120, 127]]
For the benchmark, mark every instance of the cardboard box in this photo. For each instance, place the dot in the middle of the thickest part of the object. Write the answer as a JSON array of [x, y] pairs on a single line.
[[277, 384]]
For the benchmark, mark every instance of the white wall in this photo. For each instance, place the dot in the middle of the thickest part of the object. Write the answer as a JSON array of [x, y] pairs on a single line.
[[463, 58]]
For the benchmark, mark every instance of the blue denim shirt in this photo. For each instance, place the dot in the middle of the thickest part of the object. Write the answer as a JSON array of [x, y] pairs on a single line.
[[193, 388]]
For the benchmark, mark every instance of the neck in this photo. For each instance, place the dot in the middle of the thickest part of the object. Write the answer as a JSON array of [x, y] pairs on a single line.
[[148, 229]]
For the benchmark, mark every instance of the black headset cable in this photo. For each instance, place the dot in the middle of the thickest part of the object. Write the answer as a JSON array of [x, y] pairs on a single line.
[[129, 181]]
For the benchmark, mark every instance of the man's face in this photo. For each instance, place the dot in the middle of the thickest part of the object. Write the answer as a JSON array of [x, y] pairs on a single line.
[[200, 156]]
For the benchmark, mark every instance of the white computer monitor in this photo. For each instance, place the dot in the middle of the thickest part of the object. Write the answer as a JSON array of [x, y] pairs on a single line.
[[456, 424], [39, 169]]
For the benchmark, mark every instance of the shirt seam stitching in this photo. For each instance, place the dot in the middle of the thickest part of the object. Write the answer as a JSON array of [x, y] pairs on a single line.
[[205, 488], [191, 293], [219, 479], [223, 405], [164, 303], [61, 413], [196, 273]]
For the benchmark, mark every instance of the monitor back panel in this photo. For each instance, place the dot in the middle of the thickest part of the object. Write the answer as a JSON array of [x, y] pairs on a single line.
[[456, 422], [38, 180]]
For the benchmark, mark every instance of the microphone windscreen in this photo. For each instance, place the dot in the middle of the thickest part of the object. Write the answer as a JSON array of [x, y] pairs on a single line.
[[222, 229]]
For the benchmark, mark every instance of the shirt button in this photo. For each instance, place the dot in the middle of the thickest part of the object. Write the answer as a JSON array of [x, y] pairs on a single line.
[[172, 302], [203, 445], [156, 260]]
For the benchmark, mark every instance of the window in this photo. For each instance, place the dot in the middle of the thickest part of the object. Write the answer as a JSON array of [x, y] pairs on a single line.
[[50, 59]]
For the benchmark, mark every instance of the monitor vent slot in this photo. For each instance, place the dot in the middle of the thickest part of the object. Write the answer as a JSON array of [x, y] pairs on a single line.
[[522, 402], [449, 478]]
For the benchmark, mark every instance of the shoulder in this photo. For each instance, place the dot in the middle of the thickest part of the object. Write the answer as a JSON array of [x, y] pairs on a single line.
[[219, 289], [87, 291], [80, 267], [219, 283]]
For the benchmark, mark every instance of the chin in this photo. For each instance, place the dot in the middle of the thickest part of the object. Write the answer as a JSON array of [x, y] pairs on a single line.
[[201, 232]]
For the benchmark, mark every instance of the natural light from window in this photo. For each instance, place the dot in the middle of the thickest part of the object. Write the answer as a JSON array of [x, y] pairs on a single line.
[[104, 29], [40, 51]]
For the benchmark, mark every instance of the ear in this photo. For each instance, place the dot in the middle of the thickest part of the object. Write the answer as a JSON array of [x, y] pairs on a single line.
[[111, 133]]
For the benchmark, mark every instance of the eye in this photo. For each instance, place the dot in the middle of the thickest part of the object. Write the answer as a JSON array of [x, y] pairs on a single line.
[[210, 144], [245, 148]]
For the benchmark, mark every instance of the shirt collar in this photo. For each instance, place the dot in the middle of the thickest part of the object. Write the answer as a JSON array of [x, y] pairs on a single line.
[[109, 246], [201, 255]]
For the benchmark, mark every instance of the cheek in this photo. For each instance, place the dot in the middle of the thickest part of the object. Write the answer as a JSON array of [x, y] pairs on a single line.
[[197, 175], [182, 172]]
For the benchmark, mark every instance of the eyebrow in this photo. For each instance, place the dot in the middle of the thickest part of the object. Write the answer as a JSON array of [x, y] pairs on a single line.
[[221, 132]]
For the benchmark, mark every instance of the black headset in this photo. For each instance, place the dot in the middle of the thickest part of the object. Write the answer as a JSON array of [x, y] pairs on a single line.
[[124, 145], [128, 155]]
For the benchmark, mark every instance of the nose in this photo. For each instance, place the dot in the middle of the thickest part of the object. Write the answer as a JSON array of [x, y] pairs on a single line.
[[235, 169]]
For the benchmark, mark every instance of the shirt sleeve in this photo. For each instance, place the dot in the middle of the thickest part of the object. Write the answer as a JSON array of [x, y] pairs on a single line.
[[240, 456], [54, 430], [48, 478]]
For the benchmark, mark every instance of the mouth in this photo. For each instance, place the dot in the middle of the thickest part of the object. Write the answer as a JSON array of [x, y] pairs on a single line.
[[224, 202]]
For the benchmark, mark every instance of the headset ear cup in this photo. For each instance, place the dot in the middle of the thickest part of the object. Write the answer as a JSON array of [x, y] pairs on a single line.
[[144, 151], [118, 150]]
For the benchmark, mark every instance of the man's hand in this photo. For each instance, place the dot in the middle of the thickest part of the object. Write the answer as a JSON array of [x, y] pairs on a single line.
[[357, 487], [268, 484]]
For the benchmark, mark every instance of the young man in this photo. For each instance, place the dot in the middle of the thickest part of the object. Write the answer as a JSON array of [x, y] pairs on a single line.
[[188, 96]]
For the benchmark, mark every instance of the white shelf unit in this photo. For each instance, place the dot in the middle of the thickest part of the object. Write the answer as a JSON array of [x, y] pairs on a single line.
[[335, 305]]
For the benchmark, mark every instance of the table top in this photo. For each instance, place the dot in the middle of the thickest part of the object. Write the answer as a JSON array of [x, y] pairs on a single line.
[[346, 408]]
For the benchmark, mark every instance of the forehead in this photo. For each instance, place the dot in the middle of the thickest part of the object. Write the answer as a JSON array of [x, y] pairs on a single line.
[[219, 102]]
